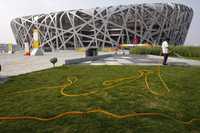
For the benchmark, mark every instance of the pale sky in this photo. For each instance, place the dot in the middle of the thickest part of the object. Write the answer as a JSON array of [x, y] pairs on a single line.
[[10, 9]]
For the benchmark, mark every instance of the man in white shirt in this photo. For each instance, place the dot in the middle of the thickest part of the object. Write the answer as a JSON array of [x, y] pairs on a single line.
[[165, 51]]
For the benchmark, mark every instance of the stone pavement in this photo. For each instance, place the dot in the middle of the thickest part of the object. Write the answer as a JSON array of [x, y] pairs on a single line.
[[16, 64], [148, 60]]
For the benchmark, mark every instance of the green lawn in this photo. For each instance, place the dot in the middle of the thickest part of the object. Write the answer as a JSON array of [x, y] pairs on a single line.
[[20, 96]]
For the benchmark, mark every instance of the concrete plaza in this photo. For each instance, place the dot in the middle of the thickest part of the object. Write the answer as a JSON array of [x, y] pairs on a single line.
[[144, 60], [16, 64]]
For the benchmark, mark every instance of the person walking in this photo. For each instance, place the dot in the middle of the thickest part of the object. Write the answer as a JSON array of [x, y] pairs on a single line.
[[165, 51]]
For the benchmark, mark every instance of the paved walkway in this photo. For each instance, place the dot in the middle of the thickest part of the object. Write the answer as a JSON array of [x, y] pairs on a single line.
[[143, 60], [16, 64]]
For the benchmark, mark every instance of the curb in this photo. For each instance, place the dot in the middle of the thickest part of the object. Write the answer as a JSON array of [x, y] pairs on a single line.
[[80, 60]]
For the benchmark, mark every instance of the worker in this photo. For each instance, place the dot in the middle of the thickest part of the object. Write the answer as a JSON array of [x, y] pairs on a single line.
[[165, 51]]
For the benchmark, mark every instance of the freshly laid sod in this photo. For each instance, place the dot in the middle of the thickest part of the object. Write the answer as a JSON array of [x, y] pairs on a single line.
[[188, 52], [29, 95]]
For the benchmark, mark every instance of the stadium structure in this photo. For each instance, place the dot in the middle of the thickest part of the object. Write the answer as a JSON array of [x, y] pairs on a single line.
[[106, 27]]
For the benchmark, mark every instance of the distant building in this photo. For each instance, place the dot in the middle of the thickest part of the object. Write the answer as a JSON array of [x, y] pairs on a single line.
[[106, 27]]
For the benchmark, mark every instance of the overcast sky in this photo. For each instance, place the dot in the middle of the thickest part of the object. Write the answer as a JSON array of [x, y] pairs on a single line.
[[10, 9]]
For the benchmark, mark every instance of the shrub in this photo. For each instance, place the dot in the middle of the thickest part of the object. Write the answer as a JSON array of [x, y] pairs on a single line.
[[188, 51], [185, 51], [146, 50]]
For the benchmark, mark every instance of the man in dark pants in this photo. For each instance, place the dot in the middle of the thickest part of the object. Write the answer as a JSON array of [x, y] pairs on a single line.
[[165, 51]]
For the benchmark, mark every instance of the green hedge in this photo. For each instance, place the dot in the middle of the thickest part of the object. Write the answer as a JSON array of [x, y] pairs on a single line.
[[145, 50], [185, 51]]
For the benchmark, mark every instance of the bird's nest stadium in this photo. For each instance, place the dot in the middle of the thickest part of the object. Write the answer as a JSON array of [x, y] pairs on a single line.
[[106, 27]]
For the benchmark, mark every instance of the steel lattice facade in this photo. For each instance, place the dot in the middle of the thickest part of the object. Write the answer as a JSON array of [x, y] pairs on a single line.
[[106, 27]]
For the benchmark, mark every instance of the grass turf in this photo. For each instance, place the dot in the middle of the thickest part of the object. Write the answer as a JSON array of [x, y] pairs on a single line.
[[182, 103], [183, 51]]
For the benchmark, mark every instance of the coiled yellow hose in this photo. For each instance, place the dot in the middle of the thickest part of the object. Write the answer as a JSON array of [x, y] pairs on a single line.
[[109, 84]]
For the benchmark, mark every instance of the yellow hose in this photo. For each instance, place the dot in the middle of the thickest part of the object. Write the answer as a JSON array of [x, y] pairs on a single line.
[[100, 111], [108, 84]]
